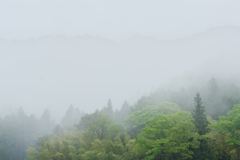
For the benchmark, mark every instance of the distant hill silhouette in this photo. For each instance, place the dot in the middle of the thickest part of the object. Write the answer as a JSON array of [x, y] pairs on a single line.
[[55, 71]]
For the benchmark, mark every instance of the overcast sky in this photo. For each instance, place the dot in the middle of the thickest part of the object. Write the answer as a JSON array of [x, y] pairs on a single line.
[[164, 19], [53, 72]]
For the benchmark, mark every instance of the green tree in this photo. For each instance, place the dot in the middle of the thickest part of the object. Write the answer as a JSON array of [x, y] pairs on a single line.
[[168, 137], [199, 117], [132, 153], [204, 151], [229, 126], [95, 125], [219, 146], [138, 119]]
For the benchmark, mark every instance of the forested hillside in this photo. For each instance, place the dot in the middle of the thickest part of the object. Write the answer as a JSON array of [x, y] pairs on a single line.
[[119, 80], [125, 128], [196, 122]]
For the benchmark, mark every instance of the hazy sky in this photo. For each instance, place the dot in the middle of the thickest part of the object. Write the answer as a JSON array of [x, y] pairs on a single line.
[[53, 72], [165, 19]]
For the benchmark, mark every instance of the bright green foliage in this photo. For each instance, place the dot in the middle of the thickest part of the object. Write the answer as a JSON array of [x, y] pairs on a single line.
[[114, 130], [137, 120], [99, 138], [229, 126], [168, 137]]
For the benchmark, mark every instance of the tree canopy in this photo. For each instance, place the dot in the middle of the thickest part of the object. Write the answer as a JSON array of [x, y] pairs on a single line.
[[137, 120], [168, 137]]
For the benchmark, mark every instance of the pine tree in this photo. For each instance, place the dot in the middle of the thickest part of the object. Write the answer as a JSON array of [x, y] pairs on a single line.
[[200, 119], [204, 151]]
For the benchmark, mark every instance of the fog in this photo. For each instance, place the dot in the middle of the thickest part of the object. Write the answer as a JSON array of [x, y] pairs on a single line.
[[114, 19], [129, 79], [57, 53]]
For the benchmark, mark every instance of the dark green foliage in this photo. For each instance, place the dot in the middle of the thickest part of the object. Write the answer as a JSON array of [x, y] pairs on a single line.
[[199, 117], [219, 147], [204, 151]]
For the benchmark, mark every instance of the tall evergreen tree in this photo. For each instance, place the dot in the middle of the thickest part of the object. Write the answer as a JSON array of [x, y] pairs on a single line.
[[204, 151], [200, 119]]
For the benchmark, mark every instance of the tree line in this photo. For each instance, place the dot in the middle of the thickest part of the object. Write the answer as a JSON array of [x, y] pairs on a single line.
[[165, 125]]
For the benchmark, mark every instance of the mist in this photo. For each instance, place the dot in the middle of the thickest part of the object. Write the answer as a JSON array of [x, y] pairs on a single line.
[[56, 71], [79, 58], [114, 20]]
